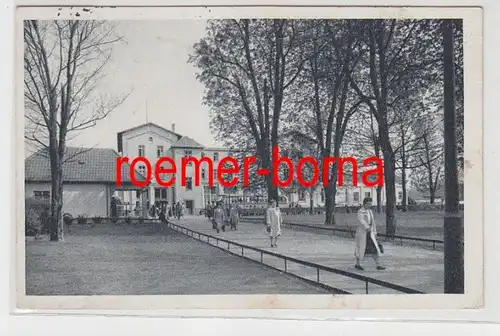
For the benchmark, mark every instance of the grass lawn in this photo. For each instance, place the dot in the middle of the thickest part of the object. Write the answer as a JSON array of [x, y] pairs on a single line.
[[137, 260], [413, 224]]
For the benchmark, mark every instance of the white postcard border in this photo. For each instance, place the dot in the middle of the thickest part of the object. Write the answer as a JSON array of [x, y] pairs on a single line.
[[473, 175]]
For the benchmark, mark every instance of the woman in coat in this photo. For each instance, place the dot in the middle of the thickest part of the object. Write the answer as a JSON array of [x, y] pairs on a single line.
[[219, 217], [274, 221], [366, 236]]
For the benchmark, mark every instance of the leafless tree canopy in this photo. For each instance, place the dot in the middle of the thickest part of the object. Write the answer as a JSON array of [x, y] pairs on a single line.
[[63, 63]]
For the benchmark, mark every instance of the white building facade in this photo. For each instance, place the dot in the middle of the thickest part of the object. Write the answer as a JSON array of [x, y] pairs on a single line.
[[346, 195], [154, 142]]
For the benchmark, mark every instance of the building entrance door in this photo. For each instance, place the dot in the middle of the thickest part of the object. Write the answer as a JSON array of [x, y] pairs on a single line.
[[189, 206]]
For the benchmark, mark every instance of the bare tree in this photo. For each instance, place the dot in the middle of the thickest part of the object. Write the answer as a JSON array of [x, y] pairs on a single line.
[[401, 56], [427, 159], [63, 63], [324, 89], [247, 67]]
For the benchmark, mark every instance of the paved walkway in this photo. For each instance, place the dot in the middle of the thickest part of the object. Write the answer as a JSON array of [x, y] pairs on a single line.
[[407, 266], [413, 224]]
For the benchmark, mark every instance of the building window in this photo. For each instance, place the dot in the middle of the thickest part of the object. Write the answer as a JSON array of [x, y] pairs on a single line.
[[368, 194], [216, 157], [322, 196], [355, 196], [302, 195], [150, 139], [203, 173], [213, 190], [142, 170], [141, 150], [215, 174], [189, 183], [137, 194], [159, 151], [202, 154], [160, 193], [42, 195], [400, 195], [188, 153]]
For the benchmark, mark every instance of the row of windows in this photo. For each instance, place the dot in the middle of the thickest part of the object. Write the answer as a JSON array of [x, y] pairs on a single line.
[[141, 151], [142, 171]]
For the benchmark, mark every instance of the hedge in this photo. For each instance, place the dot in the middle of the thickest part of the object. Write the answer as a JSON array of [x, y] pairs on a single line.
[[37, 217]]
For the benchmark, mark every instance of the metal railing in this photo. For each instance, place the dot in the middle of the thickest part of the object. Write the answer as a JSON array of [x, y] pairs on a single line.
[[351, 233], [286, 259]]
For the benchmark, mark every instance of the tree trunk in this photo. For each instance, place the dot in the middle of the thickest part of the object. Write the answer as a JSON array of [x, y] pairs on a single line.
[[329, 206], [272, 190], [428, 167], [390, 194], [432, 194], [376, 148], [332, 191], [404, 205], [379, 199], [311, 201], [55, 202], [453, 224]]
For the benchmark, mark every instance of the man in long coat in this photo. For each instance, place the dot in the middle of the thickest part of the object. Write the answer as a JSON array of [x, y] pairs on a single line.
[[366, 236]]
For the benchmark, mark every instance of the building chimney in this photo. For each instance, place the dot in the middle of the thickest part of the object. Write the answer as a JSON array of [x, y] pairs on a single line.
[[173, 127]]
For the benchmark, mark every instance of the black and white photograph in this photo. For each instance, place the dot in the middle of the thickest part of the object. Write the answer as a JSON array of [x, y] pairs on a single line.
[[342, 133]]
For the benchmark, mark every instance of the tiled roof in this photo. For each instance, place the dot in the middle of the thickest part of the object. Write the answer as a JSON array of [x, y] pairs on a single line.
[[187, 142], [80, 165]]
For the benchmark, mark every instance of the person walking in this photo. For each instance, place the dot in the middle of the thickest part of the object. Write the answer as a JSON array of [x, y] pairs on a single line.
[[114, 207], [273, 222], [178, 209], [211, 209], [234, 216], [366, 236], [167, 210], [219, 217]]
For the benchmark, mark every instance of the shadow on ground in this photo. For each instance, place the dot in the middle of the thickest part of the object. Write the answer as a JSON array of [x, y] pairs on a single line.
[[140, 259]]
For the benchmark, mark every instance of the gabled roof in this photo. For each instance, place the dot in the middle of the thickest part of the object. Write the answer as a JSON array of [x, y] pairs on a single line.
[[150, 124], [119, 135], [187, 142], [91, 165]]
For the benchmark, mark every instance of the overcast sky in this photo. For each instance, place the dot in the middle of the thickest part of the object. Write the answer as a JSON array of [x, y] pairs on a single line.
[[153, 64]]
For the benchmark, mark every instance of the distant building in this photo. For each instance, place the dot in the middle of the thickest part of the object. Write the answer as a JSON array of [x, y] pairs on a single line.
[[348, 194], [89, 176]]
